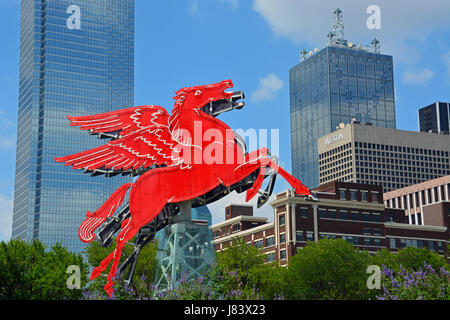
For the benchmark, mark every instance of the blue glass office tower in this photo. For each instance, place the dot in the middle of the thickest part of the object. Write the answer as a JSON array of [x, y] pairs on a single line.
[[336, 85], [76, 58]]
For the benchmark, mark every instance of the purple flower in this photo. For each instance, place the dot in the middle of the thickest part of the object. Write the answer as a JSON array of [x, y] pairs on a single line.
[[394, 283]]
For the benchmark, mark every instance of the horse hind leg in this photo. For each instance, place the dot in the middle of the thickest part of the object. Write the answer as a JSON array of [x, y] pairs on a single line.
[[129, 230]]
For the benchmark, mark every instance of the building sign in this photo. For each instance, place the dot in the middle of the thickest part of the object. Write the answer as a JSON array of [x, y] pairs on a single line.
[[334, 138]]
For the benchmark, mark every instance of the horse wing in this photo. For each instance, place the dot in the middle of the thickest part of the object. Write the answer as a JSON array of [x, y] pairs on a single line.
[[125, 121], [152, 145]]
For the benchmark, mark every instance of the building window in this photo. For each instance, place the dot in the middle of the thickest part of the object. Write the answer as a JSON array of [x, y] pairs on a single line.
[[343, 214], [431, 245], [377, 232], [309, 236], [364, 195], [375, 217], [270, 242], [270, 257], [332, 214], [282, 238], [282, 220], [366, 231], [439, 246], [299, 235], [282, 254], [353, 195], [355, 216], [259, 243], [374, 196], [420, 244], [349, 239], [377, 242], [365, 216], [236, 227], [342, 194], [322, 213], [304, 212], [392, 243], [367, 242]]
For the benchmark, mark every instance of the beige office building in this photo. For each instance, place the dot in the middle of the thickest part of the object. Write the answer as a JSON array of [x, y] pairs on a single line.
[[424, 203], [393, 158]]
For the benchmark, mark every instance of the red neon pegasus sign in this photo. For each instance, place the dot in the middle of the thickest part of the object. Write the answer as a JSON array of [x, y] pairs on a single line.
[[185, 168]]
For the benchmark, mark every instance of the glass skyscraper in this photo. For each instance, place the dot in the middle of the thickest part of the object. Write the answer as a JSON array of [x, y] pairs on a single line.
[[335, 85], [76, 58]]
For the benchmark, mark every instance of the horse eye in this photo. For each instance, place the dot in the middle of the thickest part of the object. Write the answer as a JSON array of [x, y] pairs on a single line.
[[197, 93]]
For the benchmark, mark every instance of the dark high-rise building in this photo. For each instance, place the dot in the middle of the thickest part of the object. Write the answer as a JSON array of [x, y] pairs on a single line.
[[76, 58], [435, 118], [334, 85]]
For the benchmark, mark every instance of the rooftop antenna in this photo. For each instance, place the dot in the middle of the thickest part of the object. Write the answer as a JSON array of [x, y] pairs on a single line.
[[338, 27], [303, 55], [375, 45], [331, 38]]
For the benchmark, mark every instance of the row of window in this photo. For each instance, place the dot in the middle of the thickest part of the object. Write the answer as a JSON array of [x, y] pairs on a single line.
[[440, 158], [374, 197], [335, 151], [423, 197], [377, 146], [417, 243], [349, 215], [368, 159], [355, 240]]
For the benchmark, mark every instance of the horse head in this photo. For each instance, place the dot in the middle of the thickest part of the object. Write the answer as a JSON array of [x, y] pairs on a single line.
[[198, 96]]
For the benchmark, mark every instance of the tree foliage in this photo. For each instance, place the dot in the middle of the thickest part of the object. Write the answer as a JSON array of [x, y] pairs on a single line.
[[31, 272], [330, 269]]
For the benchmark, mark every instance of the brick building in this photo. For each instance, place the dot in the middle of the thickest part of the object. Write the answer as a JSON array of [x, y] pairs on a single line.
[[350, 211]]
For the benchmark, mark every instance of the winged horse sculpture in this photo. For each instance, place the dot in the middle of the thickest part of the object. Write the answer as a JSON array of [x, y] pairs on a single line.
[[172, 145]]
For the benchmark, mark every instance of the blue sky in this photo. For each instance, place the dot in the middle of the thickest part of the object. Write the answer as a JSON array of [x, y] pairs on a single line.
[[255, 43]]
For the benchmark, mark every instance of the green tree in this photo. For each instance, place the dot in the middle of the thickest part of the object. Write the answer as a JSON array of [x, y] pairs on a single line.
[[330, 269], [31, 272], [411, 259], [241, 272]]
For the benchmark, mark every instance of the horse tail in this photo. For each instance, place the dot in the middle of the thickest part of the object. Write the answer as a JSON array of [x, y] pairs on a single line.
[[95, 219]]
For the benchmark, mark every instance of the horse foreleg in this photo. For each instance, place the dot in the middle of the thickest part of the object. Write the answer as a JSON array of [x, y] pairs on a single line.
[[260, 159]]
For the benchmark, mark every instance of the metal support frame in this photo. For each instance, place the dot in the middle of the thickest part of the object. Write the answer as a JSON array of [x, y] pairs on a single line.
[[185, 251]]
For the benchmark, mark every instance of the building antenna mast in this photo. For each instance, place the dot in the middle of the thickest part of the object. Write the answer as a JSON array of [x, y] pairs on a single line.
[[375, 45], [337, 34]]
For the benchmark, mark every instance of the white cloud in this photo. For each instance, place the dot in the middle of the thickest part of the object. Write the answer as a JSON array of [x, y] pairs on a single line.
[[267, 88], [218, 208], [418, 77], [234, 4], [194, 7], [6, 213], [404, 23], [7, 143], [5, 123], [446, 60]]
